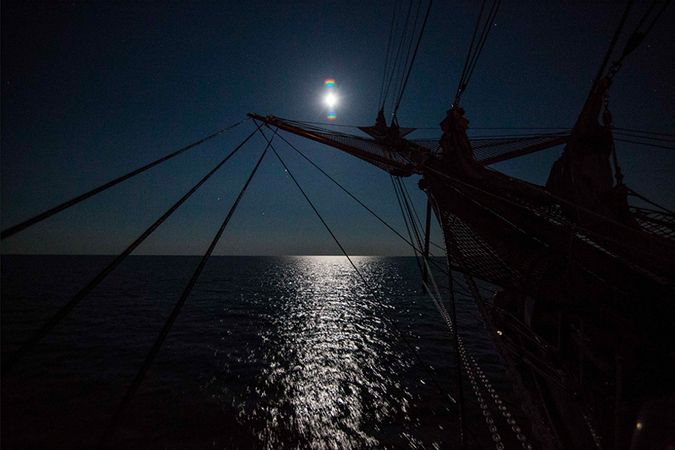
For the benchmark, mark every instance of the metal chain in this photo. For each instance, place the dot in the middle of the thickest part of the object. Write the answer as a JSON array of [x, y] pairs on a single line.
[[470, 364], [489, 420], [597, 440], [501, 406], [499, 403], [464, 361]]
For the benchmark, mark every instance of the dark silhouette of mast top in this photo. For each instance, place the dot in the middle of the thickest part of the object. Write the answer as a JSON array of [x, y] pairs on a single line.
[[583, 174]]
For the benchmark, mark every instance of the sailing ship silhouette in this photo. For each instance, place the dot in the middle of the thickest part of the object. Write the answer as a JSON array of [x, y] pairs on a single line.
[[585, 280]]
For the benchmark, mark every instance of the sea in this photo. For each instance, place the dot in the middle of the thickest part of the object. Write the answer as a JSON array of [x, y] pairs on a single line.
[[268, 352]]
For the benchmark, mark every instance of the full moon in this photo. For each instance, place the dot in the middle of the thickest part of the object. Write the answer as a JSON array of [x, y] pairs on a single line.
[[330, 100]]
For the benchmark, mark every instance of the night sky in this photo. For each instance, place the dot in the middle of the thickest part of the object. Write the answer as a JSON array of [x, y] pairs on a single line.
[[91, 90]]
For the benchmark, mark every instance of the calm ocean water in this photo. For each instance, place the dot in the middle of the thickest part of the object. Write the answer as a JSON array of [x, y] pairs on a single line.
[[268, 352]]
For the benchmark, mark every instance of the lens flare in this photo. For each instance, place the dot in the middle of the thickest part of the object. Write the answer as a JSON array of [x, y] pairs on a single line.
[[330, 99]]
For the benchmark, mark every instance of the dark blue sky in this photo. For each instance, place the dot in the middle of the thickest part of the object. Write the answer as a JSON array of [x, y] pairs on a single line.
[[93, 90]]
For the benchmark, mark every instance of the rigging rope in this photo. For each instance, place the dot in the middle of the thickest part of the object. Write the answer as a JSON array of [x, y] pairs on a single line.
[[474, 52], [646, 144], [62, 312], [398, 53], [412, 62], [634, 40], [412, 216], [645, 199], [412, 206], [387, 54], [73, 201], [405, 61], [449, 321], [345, 190], [350, 194], [468, 53], [481, 44], [612, 43], [395, 183], [653, 133], [647, 137], [138, 379]]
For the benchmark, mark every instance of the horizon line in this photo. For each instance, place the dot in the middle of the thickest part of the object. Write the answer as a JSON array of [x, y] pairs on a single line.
[[200, 254]]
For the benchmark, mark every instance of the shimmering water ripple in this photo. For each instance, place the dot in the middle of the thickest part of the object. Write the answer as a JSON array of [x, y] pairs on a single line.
[[271, 353]]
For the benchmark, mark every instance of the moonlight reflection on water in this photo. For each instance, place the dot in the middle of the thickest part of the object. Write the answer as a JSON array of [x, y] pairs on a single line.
[[331, 357]]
